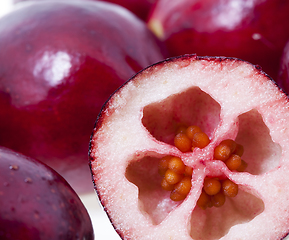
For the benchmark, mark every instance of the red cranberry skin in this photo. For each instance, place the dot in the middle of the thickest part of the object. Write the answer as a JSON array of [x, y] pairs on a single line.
[[141, 8], [255, 31], [37, 203], [283, 78], [58, 64]]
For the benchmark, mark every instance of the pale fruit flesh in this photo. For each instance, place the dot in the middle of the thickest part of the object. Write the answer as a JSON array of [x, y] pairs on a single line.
[[228, 99]]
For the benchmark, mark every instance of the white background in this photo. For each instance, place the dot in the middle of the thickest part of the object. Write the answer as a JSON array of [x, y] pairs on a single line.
[[102, 226]]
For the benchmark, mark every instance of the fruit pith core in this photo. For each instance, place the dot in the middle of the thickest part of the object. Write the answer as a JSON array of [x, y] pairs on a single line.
[[176, 176]]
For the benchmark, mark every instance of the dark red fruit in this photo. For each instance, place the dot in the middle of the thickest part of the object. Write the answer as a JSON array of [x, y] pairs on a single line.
[[283, 78], [255, 31], [59, 62], [37, 203], [139, 7], [140, 173]]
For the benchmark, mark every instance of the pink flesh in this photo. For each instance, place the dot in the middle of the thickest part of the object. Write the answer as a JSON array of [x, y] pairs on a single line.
[[228, 99]]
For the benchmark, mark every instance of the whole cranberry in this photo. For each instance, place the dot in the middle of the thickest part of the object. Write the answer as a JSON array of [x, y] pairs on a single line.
[[37, 203], [59, 62], [255, 31]]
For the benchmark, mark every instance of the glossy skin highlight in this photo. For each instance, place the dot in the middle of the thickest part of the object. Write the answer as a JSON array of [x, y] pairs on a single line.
[[58, 64], [253, 30]]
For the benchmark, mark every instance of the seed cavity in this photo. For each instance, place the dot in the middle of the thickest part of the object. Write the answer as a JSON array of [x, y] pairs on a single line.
[[177, 177]]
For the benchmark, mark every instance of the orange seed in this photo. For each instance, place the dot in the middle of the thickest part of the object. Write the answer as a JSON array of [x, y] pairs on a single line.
[[184, 186], [163, 164], [172, 177], [212, 186], [230, 188], [182, 142], [188, 171], [204, 200], [166, 186], [191, 130], [224, 149], [243, 166], [175, 196], [200, 140], [233, 162], [239, 150], [218, 199], [177, 165], [181, 129]]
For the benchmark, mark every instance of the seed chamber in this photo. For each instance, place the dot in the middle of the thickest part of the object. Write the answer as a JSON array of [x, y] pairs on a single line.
[[193, 107], [214, 223], [261, 153], [154, 202]]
